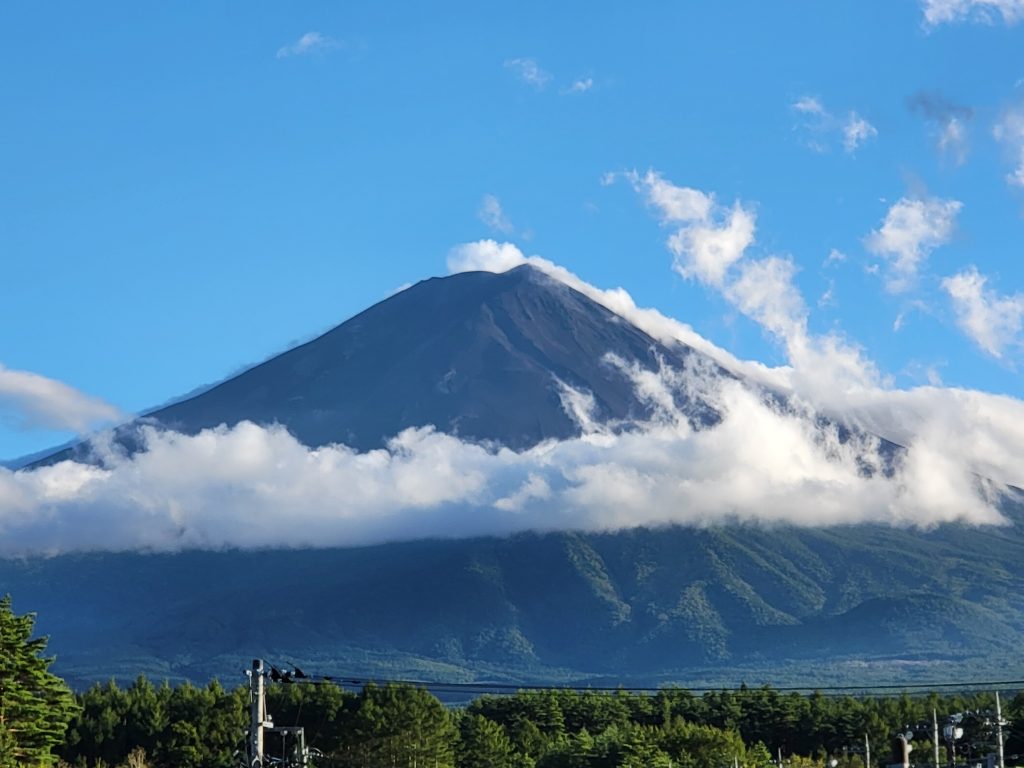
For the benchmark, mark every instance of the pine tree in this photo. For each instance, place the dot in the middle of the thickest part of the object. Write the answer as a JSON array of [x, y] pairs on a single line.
[[484, 744], [35, 705]]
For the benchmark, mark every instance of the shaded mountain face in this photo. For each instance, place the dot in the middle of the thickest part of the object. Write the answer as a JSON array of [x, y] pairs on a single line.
[[855, 605], [480, 355]]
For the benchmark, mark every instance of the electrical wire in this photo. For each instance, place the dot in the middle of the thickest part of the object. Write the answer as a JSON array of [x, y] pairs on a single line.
[[510, 688]]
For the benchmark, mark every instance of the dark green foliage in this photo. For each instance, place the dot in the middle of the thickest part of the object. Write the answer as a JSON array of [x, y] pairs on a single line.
[[1014, 712], [484, 744], [399, 726], [35, 705], [177, 727]]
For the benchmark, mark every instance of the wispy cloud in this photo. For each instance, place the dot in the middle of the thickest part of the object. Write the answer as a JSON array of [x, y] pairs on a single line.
[[856, 130], [993, 321], [1009, 131], [835, 256], [309, 43], [491, 214], [809, 105], [31, 401], [912, 229], [529, 71], [707, 239], [582, 85], [822, 127], [938, 12], [949, 123]]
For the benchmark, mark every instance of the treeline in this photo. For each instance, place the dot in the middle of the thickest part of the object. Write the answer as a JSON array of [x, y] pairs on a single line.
[[398, 726]]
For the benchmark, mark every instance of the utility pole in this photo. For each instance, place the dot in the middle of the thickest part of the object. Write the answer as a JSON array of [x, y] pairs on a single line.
[[935, 735], [867, 752], [999, 731], [257, 713]]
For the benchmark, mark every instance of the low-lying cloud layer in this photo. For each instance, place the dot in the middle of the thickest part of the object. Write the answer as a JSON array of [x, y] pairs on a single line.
[[764, 462], [252, 486]]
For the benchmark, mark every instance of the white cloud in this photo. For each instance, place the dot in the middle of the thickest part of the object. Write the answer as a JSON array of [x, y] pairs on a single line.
[[309, 43], [675, 204], [809, 105], [856, 130], [711, 238], [912, 229], [491, 214], [828, 298], [707, 250], [529, 71], [253, 487], [938, 12], [581, 85], [764, 291], [1009, 132], [31, 401], [994, 322], [835, 256], [821, 127]]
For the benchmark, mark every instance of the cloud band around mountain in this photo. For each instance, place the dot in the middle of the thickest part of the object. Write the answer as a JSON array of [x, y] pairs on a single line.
[[764, 462]]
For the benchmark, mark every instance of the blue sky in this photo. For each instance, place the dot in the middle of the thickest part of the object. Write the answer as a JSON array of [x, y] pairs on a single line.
[[185, 190]]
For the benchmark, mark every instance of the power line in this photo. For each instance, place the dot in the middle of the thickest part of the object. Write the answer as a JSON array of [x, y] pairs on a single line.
[[485, 687]]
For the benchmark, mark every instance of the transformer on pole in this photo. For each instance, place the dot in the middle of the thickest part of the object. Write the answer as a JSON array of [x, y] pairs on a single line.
[[294, 754]]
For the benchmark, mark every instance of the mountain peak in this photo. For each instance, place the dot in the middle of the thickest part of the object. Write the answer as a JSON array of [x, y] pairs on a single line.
[[485, 356]]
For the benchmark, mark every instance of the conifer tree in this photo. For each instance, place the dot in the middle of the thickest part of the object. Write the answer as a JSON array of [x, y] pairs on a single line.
[[35, 705]]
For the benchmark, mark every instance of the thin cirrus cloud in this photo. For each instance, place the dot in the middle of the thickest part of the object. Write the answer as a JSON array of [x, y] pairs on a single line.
[[530, 72], [493, 216], [310, 43], [912, 229], [1009, 132], [581, 85], [937, 12], [991, 320], [31, 401], [949, 123], [822, 128]]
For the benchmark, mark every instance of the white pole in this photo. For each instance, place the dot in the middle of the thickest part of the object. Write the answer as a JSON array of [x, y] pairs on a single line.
[[257, 714], [999, 731], [935, 736], [867, 752]]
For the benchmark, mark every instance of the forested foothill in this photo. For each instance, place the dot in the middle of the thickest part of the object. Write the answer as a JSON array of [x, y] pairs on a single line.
[[402, 725], [398, 725]]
